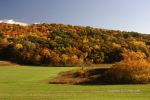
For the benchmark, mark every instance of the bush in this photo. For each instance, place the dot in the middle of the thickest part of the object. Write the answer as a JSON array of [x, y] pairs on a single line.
[[133, 69]]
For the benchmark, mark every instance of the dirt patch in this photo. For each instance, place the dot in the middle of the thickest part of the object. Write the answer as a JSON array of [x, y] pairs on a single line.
[[100, 65], [7, 63], [89, 76]]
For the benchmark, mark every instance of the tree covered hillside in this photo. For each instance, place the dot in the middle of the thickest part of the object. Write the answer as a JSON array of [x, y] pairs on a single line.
[[67, 45]]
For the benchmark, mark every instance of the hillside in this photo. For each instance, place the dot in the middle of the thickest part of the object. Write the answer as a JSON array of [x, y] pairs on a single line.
[[67, 45]]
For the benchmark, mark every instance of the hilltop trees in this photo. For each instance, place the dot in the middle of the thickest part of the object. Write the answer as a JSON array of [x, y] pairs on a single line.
[[66, 45]]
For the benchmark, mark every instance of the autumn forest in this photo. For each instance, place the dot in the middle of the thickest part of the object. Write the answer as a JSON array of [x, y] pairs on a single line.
[[67, 45]]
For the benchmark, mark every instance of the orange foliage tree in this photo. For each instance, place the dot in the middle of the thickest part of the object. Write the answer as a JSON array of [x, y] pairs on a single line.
[[133, 69]]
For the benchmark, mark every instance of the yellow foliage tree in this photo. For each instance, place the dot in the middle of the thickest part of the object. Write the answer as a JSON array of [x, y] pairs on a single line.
[[133, 69], [65, 58], [19, 46], [133, 56]]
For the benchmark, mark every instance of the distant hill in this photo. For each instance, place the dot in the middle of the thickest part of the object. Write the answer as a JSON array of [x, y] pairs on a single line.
[[67, 45]]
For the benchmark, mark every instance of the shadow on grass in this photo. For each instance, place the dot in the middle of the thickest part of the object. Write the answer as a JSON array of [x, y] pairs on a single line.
[[91, 77]]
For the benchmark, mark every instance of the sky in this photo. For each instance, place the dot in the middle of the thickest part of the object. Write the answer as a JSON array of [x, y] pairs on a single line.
[[125, 15]]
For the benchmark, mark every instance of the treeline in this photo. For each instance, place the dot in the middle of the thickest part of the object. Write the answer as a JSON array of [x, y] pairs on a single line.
[[67, 45]]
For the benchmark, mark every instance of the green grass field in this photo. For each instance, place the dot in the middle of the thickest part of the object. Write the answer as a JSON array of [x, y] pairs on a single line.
[[26, 83]]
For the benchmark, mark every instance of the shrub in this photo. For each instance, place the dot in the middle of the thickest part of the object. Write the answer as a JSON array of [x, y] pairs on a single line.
[[133, 69]]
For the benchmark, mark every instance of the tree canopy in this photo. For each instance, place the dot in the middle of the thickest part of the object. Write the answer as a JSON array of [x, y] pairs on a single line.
[[66, 45]]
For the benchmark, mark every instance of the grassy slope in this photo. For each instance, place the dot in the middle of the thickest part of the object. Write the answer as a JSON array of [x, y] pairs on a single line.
[[22, 83]]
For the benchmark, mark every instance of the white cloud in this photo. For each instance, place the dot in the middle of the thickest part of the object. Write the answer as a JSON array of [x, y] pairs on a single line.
[[36, 23], [11, 21]]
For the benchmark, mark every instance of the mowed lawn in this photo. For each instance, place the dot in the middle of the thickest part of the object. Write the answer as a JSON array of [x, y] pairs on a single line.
[[27, 83]]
